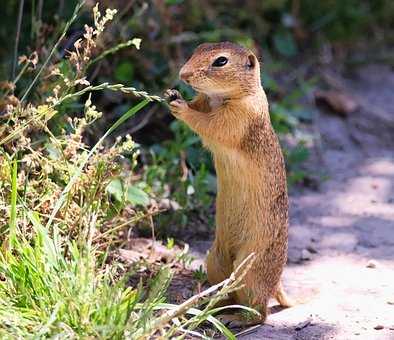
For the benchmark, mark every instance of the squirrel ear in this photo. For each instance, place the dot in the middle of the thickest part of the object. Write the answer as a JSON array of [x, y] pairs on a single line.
[[251, 61]]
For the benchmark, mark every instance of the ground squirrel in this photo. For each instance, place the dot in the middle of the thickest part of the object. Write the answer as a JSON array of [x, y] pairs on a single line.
[[230, 113]]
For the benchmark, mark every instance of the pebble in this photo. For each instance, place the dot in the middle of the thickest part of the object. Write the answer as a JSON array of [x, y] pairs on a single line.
[[378, 327], [372, 264], [304, 324], [311, 249]]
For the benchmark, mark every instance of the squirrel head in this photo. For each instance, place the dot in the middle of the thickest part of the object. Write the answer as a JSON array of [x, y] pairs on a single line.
[[222, 69]]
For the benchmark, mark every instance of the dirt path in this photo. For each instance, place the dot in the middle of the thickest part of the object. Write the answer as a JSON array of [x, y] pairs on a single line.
[[341, 247]]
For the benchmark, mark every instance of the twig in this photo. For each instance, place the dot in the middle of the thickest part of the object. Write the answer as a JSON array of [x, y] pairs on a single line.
[[232, 281], [152, 226], [122, 225], [247, 331], [147, 116], [182, 308]]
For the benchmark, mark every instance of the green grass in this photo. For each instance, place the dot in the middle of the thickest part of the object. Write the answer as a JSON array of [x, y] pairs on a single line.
[[59, 222]]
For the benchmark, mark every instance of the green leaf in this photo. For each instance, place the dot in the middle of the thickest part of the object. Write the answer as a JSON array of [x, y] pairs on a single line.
[[170, 243], [173, 2], [115, 188], [137, 196], [298, 155]]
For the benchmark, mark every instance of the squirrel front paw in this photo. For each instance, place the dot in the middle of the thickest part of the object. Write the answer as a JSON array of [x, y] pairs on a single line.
[[177, 104], [171, 95]]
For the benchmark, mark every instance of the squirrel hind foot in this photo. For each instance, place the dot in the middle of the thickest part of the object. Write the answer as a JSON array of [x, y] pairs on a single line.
[[283, 298]]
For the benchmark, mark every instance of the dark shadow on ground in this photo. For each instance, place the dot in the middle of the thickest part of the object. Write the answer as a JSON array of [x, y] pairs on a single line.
[[310, 329]]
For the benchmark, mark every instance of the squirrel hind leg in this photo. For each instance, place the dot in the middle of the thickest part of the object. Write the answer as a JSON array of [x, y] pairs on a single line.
[[217, 268], [283, 299]]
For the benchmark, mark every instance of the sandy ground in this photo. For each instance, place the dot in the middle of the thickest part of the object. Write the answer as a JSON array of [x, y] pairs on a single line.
[[341, 244]]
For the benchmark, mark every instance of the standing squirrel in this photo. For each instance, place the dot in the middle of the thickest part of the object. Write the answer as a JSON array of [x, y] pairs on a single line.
[[230, 113]]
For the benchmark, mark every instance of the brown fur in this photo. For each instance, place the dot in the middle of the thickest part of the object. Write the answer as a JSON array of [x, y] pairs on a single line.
[[230, 113]]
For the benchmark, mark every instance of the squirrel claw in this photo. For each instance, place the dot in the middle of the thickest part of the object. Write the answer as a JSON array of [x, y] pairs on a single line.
[[178, 107], [170, 95]]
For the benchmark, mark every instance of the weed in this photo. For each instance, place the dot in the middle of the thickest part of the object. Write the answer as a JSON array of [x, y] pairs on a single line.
[[200, 274]]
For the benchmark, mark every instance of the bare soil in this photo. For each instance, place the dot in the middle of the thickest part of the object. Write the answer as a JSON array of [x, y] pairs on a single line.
[[341, 244]]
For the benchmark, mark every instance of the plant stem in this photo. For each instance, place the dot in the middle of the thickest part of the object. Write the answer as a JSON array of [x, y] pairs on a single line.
[[14, 194], [17, 36], [77, 173], [114, 49]]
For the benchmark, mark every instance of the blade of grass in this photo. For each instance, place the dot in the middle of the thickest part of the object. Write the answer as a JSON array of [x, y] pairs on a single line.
[[215, 322], [246, 308], [14, 194], [54, 48], [103, 86], [17, 36], [77, 173], [206, 316]]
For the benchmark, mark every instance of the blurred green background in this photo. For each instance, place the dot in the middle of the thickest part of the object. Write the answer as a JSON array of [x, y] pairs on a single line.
[[292, 38]]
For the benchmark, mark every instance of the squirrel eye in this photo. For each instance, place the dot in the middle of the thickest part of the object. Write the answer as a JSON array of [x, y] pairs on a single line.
[[221, 61]]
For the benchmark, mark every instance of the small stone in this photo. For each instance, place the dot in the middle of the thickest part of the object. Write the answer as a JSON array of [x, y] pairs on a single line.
[[390, 302], [378, 327], [306, 255], [311, 249], [372, 264], [304, 324]]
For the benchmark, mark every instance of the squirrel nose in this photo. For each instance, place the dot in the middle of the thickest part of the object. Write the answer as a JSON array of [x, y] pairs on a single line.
[[185, 75]]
